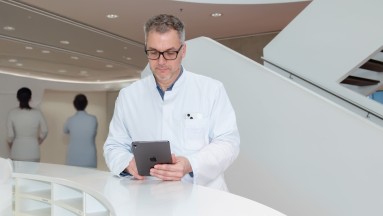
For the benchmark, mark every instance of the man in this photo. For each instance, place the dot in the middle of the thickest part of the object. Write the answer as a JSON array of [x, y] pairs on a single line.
[[192, 111]]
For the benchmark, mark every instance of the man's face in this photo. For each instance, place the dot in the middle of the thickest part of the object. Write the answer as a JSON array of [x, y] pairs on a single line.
[[165, 71]]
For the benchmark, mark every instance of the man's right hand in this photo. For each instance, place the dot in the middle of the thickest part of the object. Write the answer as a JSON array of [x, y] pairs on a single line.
[[132, 169]]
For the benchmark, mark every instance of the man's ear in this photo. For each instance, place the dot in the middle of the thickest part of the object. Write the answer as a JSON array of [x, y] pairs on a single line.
[[183, 50]]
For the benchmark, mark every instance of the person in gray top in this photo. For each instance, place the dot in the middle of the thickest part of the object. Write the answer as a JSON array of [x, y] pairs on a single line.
[[82, 130], [26, 129]]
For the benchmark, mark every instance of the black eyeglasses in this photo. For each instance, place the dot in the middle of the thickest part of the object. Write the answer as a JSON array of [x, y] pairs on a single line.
[[168, 55]]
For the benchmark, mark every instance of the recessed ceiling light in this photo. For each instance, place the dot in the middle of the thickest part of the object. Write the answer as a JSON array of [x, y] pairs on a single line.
[[74, 57], [29, 48], [100, 51], [19, 64], [65, 42], [45, 51], [9, 28], [216, 14], [112, 16], [62, 71], [109, 66], [12, 60], [128, 58]]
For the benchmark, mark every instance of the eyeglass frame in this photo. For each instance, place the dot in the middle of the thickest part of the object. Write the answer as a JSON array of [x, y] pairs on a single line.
[[162, 53]]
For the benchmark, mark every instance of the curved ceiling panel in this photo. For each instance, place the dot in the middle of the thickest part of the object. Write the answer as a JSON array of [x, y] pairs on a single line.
[[66, 42]]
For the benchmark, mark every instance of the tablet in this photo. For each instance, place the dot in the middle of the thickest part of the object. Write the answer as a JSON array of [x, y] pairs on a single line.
[[149, 153]]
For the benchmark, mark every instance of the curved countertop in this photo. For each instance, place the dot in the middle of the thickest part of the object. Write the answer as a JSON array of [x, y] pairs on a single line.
[[126, 196]]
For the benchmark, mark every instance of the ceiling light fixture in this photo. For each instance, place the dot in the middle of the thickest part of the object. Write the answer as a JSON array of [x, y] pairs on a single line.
[[45, 51], [65, 42], [74, 57], [12, 60], [216, 14], [100, 51], [9, 28], [109, 66], [29, 48], [112, 16]]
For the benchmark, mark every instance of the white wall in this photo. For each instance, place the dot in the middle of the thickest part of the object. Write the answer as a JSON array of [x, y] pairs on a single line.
[[328, 41], [300, 153]]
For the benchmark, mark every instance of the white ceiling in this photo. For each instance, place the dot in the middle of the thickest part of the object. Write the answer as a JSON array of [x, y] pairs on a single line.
[[106, 50]]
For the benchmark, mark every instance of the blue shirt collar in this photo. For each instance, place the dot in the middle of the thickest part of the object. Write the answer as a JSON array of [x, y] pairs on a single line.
[[162, 93]]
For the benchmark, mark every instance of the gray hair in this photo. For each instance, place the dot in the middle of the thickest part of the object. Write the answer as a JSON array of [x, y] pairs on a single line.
[[163, 23]]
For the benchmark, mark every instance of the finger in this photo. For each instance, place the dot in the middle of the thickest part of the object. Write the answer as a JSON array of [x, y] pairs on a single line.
[[164, 175], [174, 158], [167, 167], [135, 174], [132, 169]]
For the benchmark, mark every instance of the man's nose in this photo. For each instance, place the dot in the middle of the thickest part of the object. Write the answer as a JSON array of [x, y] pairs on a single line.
[[161, 59]]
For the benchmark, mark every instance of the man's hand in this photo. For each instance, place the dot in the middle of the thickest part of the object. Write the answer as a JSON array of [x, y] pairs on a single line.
[[132, 169], [172, 172]]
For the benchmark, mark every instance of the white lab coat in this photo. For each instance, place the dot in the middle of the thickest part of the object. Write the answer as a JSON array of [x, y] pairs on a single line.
[[210, 141], [25, 128]]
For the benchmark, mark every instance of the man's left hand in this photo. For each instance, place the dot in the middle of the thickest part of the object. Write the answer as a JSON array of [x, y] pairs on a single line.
[[172, 172]]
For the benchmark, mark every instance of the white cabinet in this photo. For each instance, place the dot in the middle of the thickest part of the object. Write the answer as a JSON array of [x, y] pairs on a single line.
[[42, 198]]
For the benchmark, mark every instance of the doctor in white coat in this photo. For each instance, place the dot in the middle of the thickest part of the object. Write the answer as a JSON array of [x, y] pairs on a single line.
[[192, 111]]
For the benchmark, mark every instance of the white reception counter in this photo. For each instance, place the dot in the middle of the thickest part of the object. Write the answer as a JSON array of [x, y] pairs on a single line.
[[40, 189]]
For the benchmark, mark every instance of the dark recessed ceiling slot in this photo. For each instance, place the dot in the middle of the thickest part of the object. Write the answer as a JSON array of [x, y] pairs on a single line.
[[373, 65], [359, 81]]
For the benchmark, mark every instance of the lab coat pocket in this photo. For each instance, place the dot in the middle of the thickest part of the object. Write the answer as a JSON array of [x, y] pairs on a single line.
[[195, 133]]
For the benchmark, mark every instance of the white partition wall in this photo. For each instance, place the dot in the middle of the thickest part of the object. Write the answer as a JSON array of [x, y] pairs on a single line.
[[301, 153]]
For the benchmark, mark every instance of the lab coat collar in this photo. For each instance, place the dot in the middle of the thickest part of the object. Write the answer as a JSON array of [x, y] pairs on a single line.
[[160, 91]]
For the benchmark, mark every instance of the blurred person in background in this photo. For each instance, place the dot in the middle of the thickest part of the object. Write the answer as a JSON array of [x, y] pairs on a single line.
[[26, 129], [82, 130]]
